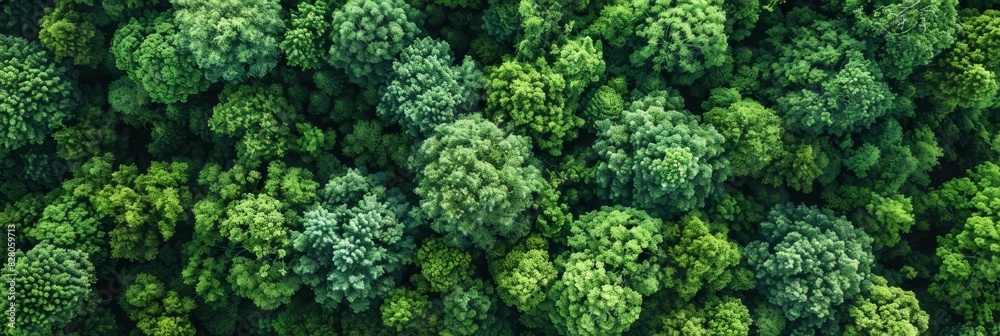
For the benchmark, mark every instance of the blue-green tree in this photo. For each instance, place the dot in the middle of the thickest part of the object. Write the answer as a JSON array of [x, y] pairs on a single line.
[[367, 36], [427, 90], [810, 263], [355, 241]]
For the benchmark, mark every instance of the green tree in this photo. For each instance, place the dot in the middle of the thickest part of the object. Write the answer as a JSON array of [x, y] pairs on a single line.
[[443, 266], [409, 311], [612, 263], [300, 317], [258, 224], [470, 309], [910, 33], [819, 78], [371, 145], [769, 319], [752, 132], [810, 263], [741, 18], [243, 240], [426, 90], [540, 23], [887, 310], [591, 300], [475, 183], [580, 61], [72, 223], [121, 9], [354, 243], [156, 309], [305, 44], [606, 102], [260, 116], [38, 94], [144, 207], [367, 36], [525, 274], [800, 163], [231, 40], [148, 49], [969, 263], [965, 75], [718, 317], [625, 240], [683, 37], [53, 288], [20, 18], [658, 159], [72, 30], [891, 217], [617, 21], [530, 99], [698, 258]]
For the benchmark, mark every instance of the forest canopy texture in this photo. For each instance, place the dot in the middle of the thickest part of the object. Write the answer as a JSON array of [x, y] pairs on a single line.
[[500, 167]]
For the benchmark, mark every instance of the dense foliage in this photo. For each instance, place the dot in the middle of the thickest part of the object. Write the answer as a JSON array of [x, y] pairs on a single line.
[[500, 167]]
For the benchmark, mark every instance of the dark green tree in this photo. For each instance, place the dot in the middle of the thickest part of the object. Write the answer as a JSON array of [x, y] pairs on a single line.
[[149, 50], [355, 241], [683, 37], [367, 36], [819, 77], [810, 264], [658, 159], [752, 132], [38, 94], [54, 285], [909, 33], [426, 90]]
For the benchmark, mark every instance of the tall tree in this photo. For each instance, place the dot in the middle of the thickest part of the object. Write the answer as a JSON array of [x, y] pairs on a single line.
[[967, 252]]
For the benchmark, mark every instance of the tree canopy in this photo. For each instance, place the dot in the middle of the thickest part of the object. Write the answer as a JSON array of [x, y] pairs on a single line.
[[500, 167]]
